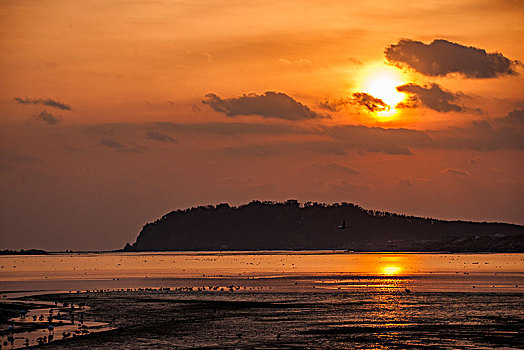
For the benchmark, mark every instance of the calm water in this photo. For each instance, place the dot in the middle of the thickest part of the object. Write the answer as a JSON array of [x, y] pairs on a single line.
[[284, 299], [278, 270]]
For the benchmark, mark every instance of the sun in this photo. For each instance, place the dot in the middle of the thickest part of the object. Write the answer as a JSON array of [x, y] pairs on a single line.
[[381, 81]]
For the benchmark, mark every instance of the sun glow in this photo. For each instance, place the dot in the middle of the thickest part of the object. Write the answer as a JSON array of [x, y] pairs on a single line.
[[381, 82]]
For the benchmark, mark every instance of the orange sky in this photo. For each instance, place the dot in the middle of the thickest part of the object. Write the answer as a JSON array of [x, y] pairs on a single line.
[[107, 121]]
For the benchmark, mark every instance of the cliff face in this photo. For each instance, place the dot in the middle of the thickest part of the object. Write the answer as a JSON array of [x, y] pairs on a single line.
[[289, 225]]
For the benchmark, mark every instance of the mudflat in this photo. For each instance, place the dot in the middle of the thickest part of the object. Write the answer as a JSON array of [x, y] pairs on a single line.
[[156, 318]]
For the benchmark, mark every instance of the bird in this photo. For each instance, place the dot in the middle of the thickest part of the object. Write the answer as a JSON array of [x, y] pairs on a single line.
[[343, 226]]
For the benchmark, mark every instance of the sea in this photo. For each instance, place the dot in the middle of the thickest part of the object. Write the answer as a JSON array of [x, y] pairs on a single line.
[[294, 299]]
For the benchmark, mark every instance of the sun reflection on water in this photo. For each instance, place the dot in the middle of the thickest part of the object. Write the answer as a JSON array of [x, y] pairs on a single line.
[[391, 270]]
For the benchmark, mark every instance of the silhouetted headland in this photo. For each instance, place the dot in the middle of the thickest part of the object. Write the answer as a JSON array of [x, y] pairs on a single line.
[[23, 252], [292, 226]]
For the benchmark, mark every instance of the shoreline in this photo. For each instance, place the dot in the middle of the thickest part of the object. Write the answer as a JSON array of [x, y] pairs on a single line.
[[269, 252]]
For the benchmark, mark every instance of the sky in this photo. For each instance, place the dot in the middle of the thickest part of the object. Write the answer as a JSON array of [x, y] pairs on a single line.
[[113, 113]]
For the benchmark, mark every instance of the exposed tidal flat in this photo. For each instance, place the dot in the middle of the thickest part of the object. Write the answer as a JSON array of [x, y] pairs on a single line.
[[267, 300]]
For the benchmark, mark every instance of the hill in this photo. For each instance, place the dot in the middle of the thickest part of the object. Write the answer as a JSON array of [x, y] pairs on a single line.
[[292, 226]]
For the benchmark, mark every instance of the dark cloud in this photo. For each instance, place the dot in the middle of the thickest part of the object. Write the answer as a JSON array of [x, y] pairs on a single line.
[[443, 57], [456, 172], [331, 106], [389, 149], [334, 105], [361, 99], [431, 96], [373, 104], [111, 143], [337, 167], [48, 118], [268, 105], [158, 136], [41, 101]]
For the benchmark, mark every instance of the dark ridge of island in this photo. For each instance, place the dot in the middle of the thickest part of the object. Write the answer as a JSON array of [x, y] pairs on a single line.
[[316, 226], [23, 252]]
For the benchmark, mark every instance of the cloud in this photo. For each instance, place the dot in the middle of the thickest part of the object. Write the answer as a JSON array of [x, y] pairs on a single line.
[[8, 158], [286, 149], [111, 143], [380, 140], [355, 62], [392, 150], [48, 118], [373, 104], [337, 167], [299, 63], [268, 105], [516, 116], [346, 188], [456, 172], [410, 181], [341, 140], [431, 96], [504, 133], [334, 105], [46, 102], [443, 57], [405, 182], [235, 129], [294, 139], [361, 99], [157, 136]]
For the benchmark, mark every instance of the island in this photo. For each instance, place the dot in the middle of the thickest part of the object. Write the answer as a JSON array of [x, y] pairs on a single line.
[[290, 225], [23, 252]]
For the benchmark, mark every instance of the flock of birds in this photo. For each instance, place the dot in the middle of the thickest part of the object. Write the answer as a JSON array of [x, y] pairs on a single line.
[[67, 314]]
